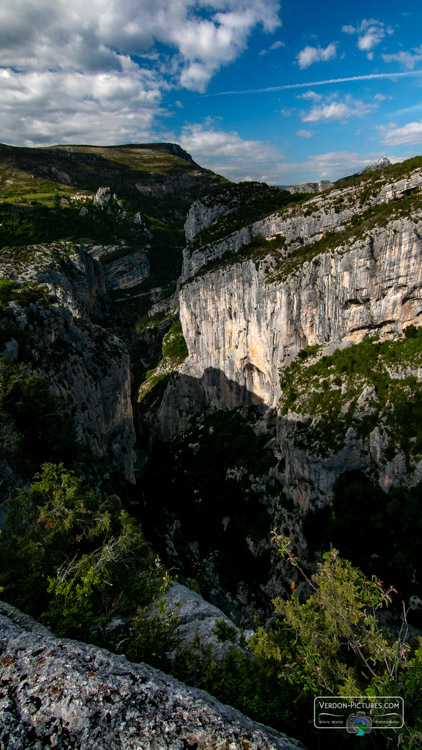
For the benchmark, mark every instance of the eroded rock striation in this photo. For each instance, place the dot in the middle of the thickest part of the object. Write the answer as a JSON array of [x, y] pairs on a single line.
[[65, 694]]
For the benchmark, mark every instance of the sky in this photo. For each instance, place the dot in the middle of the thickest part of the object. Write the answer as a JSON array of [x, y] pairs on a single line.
[[281, 92]]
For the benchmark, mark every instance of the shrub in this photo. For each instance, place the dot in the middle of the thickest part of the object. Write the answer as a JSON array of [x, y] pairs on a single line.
[[71, 554]]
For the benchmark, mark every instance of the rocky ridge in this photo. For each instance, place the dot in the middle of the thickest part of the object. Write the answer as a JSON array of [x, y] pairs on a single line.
[[66, 694], [297, 225]]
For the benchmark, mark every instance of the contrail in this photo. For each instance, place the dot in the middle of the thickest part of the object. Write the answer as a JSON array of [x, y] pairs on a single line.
[[369, 77]]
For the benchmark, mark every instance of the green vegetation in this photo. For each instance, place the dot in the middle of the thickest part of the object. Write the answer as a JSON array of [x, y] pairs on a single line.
[[165, 254], [40, 223], [70, 554], [256, 250], [37, 425], [329, 643], [154, 176], [247, 680], [359, 226], [14, 298], [379, 532], [328, 391], [149, 158], [174, 346], [341, 647], [174, 352]]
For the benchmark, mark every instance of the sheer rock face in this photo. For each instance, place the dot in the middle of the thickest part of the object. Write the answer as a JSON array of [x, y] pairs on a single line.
[[237, 322], [245, 320], [65, 694]]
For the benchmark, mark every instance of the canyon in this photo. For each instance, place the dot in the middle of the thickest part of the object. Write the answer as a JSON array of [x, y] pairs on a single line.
[[231, 358]]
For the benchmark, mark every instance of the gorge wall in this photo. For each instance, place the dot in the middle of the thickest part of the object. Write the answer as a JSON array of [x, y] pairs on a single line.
[[249, 307]]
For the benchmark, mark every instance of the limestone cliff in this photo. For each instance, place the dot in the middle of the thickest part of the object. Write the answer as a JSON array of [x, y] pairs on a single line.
[[63, 694], [325, 273], [296, 225]]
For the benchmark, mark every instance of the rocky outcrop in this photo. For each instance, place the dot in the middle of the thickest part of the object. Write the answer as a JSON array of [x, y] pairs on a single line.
[[65, 694], [124, 268], [236, 320], [199, 619], [82, 360]]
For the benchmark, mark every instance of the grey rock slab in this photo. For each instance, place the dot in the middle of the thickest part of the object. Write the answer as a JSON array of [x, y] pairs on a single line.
[[65, 694], [198, 618]]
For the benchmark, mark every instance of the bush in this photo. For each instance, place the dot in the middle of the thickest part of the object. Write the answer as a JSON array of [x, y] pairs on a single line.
[[70, 554]]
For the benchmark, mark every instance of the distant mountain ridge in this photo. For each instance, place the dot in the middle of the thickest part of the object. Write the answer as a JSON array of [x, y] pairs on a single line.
[[318, 187]]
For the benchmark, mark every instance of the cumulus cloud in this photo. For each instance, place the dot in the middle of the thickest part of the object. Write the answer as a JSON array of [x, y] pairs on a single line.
[[310, 55], [406, 59], [227, 153], [338, 110], [73, 108], [287, 111], [238, 159], [305, 133], [143, 47], [89, 36], [370, 33], [408, 134]]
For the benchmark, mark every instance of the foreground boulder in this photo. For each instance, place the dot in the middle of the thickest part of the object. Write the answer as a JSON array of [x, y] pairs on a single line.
[[65, 694]]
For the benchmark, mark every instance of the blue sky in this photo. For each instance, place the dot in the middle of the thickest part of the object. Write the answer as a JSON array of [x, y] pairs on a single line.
[[254, 89]]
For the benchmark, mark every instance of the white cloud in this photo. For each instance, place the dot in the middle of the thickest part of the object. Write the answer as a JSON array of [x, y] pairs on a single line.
[[329, 166], [305, 133], [408, 134], [406, 59], [274, 46], [287, 111], [311, 96], [310, 55], [338, 110], [96, 51], [81, 36], [373, 36], [71, 107], [370, 33], [228, 154]]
